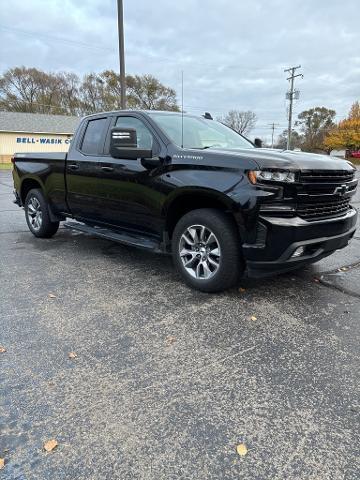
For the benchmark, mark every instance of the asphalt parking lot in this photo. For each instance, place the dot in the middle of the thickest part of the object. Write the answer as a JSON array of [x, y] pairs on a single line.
[[167, 381]]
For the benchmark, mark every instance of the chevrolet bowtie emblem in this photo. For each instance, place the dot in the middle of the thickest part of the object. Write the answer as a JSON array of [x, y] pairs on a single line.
[[341, 190]]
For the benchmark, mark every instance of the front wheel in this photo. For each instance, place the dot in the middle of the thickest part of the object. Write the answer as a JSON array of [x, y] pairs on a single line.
[[206, 250], [37, 215]]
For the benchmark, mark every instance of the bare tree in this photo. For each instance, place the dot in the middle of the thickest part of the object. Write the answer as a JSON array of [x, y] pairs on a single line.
[[240, 121], [147, 92], [314, 124], [101, 92], [296, 140], [70, 93], [30, 90], [93, 94], [19, 88]]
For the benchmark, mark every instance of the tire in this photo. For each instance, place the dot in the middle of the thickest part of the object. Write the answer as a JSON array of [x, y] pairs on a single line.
[[219, 250], [37, 215]]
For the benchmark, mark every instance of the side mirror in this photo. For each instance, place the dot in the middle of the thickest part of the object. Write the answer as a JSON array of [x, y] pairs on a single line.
[[258, 142], [123, 144]]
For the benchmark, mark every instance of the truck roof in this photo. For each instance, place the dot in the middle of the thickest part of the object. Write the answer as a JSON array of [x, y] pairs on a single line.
[[146, 112]]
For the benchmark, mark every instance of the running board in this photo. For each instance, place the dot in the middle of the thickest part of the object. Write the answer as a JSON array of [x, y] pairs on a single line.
[[127, 238]]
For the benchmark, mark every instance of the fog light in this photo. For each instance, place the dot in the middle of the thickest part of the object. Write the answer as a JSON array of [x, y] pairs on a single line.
[[298, 252]]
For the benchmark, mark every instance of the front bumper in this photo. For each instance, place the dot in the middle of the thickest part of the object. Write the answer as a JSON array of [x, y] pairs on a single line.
[[281, 237]]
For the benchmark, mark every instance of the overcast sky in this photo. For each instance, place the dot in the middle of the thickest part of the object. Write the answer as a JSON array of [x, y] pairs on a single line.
[[233, 52]]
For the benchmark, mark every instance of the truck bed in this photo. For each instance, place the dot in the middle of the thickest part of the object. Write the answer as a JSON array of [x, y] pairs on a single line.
[[41, 170], [61, 156]]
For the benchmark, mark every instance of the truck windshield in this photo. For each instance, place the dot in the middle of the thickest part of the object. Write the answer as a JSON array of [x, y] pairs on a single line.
[[199, 133]]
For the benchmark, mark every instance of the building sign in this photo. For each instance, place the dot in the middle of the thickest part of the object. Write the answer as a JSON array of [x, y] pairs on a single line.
[[25, 142], [44, 140]]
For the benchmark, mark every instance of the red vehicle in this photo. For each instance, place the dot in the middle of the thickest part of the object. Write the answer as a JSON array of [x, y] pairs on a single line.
[[355, 154]]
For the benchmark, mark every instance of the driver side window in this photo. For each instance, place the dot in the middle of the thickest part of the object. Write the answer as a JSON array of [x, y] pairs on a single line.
[[144, 136]]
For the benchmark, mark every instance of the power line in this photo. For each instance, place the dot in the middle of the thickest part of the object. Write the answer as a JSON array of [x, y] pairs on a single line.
[[55, 38], [157, 58], [291, 99]]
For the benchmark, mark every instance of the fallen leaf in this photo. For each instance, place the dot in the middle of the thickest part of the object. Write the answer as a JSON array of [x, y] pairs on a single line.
[[241, 449], [2, 349], [170, 340], [50, 445], [72, 355], [51, 295], [242, 290], [2, 463], [253, 318]]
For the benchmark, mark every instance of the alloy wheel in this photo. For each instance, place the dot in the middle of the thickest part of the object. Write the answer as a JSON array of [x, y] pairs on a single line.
[[34, 213], [200, 253]]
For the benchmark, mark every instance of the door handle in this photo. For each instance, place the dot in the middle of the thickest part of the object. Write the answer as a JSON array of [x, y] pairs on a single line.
[[73, 166], [107, 169]]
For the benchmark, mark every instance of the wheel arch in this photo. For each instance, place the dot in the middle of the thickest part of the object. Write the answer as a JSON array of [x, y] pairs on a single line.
[[28, 184], [193, 199]]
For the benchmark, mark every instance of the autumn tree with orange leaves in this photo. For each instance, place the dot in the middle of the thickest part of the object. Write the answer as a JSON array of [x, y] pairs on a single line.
[[347, 132]]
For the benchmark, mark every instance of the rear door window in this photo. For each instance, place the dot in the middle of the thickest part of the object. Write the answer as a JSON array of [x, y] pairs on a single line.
[[94, 135]]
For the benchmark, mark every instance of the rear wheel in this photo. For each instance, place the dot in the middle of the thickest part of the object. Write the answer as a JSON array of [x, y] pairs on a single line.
[[37, 215], [206, 250]]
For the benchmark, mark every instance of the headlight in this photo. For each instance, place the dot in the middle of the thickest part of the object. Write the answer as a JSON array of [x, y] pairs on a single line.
[[259, 176]]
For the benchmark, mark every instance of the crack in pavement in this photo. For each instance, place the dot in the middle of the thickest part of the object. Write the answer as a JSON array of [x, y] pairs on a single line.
[[339, 289], [336, 287]]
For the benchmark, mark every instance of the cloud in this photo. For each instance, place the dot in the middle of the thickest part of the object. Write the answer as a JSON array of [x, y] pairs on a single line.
[[232, 53]]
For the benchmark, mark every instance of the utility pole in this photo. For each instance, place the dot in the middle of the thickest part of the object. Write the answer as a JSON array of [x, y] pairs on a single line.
[[291, 99], [120, 10], [273, 126]]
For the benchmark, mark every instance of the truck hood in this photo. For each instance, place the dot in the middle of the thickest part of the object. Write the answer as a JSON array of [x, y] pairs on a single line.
[[286, 159]]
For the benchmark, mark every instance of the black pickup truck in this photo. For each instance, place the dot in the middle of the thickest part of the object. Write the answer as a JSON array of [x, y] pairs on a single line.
[[192, 187]]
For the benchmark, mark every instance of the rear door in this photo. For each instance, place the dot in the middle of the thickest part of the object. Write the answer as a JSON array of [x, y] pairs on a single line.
[[82, 169], [130, 193]]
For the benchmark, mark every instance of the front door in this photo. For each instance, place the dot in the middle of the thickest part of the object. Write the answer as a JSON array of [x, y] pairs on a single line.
[[128, 191]]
